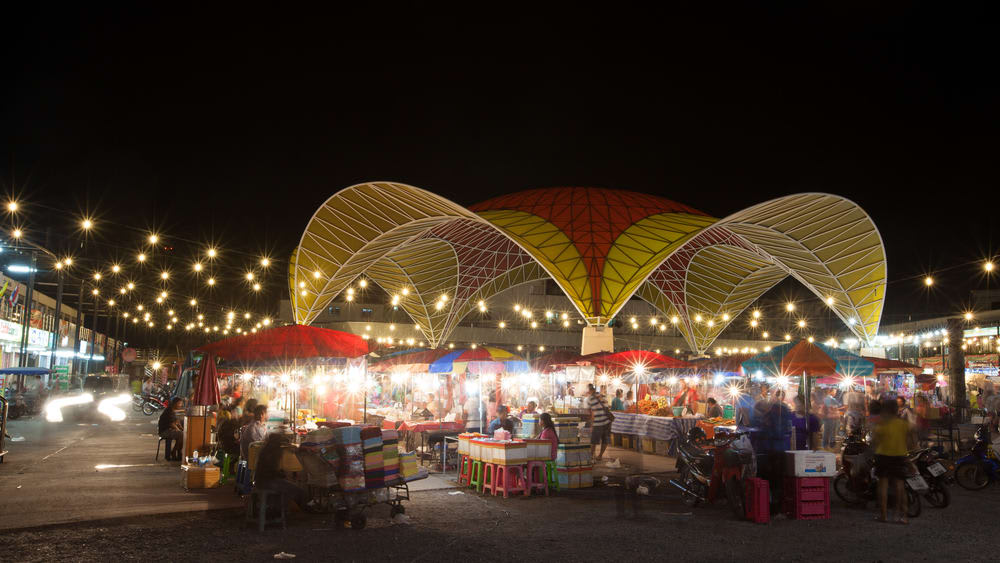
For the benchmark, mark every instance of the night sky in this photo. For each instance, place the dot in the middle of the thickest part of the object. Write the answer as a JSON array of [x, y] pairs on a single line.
[[234, 127]]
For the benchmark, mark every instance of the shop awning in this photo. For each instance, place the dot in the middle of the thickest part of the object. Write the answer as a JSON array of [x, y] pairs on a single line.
[[286, 344]]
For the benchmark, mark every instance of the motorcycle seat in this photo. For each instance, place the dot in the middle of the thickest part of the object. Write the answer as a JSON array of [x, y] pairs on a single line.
[[694, 451]]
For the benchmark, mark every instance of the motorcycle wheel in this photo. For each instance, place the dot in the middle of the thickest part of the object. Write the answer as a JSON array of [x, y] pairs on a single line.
[[14, 412], [137, 406], [734, 494], [912, 503], [842, 487], [938, 496], [690, 482], [147, 408], [972, 476]]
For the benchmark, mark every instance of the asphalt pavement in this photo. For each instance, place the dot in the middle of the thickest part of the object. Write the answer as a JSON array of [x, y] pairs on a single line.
[[67, 510], [88, 469]]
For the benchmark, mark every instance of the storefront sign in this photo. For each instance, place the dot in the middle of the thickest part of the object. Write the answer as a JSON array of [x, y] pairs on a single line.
[[38, 337], [10, 331]]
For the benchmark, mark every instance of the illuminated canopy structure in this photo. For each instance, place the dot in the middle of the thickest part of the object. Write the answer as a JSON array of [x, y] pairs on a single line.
[[601, 246]]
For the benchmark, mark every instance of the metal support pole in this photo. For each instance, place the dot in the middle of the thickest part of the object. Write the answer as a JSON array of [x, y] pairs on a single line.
[[107, 339], [26, 316], [93, 337], [58, 315], [75, 362]]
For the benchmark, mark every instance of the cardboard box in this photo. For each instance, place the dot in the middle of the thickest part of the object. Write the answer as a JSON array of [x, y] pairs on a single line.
[[808, 463], [648, 446], [197, 477], [662, 447]]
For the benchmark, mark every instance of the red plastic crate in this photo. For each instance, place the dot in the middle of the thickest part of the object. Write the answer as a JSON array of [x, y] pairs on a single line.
[[807, 498], [758, 500]]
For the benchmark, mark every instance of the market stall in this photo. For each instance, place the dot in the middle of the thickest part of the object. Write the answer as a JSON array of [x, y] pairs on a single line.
[[800, 364], [304, 374]]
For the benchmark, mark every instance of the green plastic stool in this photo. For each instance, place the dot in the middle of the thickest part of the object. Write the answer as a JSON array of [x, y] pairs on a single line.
[[550, 469], [476, 477], [226, 470]]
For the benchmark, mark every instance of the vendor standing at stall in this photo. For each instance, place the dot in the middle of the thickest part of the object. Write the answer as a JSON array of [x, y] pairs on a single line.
[[687, 398]]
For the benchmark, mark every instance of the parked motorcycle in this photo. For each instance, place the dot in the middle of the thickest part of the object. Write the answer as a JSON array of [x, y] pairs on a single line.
[[703, 471], [856, 482], [937, 472], [982, 466], [154, 403], [18, 407]]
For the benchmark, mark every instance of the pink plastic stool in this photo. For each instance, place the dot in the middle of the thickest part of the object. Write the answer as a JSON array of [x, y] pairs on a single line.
[[489, 478], [537, 478], [509, 479]]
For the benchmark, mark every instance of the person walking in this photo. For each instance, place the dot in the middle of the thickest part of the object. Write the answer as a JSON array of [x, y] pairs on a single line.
[[600, 421], [891, 447], [831, 419]]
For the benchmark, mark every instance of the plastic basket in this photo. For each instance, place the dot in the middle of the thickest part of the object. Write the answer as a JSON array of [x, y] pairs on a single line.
[[807, 498], [758, 500]]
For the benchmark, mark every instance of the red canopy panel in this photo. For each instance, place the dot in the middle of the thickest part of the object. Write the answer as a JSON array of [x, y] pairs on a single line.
[[292, 342], [630, 358], [808, 358]]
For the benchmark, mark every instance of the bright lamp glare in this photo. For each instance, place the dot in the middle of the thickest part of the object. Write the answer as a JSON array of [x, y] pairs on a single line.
[[53, 409], [108, 407]]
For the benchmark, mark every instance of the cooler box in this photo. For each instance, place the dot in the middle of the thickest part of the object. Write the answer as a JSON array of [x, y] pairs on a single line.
[[511, 453], [707, 427], [586, 476], [476, 448], [529, 425], [807, 463], [197, 477], [758, 500], [563, 474], [572, 455], [488, 449], [539, 450], [567, 428]]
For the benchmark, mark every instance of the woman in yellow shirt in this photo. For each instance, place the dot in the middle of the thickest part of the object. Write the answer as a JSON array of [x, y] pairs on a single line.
[[891, 435]]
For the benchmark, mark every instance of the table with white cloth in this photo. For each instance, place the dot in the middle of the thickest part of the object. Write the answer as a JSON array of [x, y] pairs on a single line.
[[665, 428]]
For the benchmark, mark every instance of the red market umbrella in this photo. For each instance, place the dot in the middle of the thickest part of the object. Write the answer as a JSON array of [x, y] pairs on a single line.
[[207, 391], [286, 343], [626, 361]]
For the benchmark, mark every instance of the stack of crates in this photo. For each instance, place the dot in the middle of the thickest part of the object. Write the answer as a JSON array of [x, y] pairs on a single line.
[[807, 498]]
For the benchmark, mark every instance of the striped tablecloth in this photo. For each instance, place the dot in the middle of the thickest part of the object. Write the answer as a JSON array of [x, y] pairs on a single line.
[[655, 427]]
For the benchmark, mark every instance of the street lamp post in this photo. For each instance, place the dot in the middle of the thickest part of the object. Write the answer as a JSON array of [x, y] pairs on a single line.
[[58, 316], [26, 316], [93, 337]]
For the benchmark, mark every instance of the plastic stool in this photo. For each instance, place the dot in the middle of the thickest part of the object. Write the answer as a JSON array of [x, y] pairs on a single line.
[[258, 499], [550, 470], [509, 479], [490, 474], [227, 469], [536, 468], [464, 470], [166, 451], [476, 475]]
